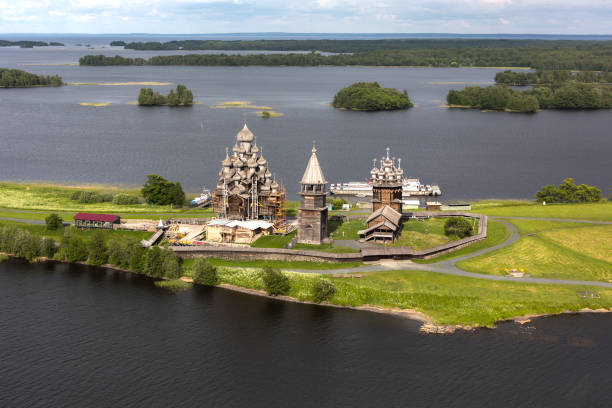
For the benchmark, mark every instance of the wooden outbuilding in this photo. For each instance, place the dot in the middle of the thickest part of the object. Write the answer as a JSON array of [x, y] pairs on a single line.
[[89, 220], [383, 224]]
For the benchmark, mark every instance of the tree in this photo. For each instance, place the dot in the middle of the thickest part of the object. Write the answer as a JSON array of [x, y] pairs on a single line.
[[98, 254], [159, 191], [173, 99], [53, 222], [48, 248], [125, 199], [204, 273], [275, 282], [171, 265], [323, 290], [458, 226]]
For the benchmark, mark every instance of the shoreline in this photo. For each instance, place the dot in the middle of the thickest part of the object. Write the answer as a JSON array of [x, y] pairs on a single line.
[[428, 326]]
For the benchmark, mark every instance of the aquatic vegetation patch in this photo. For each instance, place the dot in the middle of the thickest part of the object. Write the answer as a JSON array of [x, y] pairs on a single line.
[[149, 83], [94, 104], [269, 114], [240, 105], [175, 285]]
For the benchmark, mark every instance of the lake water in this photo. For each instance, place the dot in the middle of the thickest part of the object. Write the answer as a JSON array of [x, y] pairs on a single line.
[[77, 336], [46, 135]]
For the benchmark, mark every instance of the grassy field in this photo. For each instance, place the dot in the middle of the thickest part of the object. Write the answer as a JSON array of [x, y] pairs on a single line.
[[556, 250], [496, 234], [446, 299], [595, 212], [57, 198], [422, 234], [339, 249]]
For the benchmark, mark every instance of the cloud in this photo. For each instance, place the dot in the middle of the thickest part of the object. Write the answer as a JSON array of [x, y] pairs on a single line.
[[200, 16]]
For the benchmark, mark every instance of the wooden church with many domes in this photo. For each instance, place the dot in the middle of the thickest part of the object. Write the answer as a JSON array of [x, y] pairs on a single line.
[[246, 188]]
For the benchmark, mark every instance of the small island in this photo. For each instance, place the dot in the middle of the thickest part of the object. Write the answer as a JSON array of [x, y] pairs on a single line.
[[182, 97], [370, 96], [29, 44], [15, 78]]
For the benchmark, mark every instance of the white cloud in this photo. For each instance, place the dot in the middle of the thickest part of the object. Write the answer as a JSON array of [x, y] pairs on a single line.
[[503, 21]]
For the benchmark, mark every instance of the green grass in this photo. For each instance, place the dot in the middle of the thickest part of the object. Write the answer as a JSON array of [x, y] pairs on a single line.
[[446, 299], [274, 241], [595, 212], [496, 234], [422, 234], [562, 251], [326, 248], [277, 264], [345, 230], [57, 198], [3, 257]]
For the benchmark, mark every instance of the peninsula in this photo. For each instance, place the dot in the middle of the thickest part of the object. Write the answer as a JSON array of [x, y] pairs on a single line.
[[492, 261]]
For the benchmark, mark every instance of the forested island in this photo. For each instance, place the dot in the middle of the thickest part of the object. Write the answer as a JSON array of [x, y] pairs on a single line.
[[370, 96], [549, 77], [16, 78], [566, 96], [182, 97], [29, 44], [537, 54]]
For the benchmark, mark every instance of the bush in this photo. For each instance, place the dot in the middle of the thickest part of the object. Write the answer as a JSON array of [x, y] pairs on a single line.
[[48, 247], [125, 199], [458, 226], [53, 222], [323, 290], [275, 282], [97, 249], [204, 273], [88, 197], [337, 203], [171, 265]]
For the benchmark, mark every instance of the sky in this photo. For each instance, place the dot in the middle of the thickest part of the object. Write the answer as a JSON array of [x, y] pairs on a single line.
[[307, 16]]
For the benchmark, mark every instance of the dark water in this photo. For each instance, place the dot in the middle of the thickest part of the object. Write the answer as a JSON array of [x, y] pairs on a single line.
[[46, 135], [74, 336]]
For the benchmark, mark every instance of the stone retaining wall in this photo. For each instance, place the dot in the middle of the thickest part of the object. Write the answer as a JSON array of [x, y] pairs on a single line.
[[366, 254]]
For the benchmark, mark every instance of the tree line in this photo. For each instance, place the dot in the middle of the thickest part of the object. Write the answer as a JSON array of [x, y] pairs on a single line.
[[548, 77], [569, 192], [370, 96], [28, 44], [565, 55], [570, 95], [16, 78]]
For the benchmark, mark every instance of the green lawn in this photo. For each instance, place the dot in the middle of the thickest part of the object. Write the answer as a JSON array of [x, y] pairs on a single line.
[[596, 212], [423, 234], [496, 234], [345, 230], [274, 241], [552, 250], [326, 248]]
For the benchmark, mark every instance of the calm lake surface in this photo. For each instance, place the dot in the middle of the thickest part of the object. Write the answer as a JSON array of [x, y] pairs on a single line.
[[77, 336], [46, 135]]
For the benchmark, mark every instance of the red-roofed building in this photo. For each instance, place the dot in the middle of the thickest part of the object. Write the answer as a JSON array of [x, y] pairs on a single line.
[[88, 220]]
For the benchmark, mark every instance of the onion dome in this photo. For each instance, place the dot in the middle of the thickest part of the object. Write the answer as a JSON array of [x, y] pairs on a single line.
[[268, 173], [227, 161], [252, 162], [236, 148], [254, 148], [245, 135]]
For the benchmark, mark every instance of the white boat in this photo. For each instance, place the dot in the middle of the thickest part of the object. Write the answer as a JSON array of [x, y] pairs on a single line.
[[410, 187], [203, 200]]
